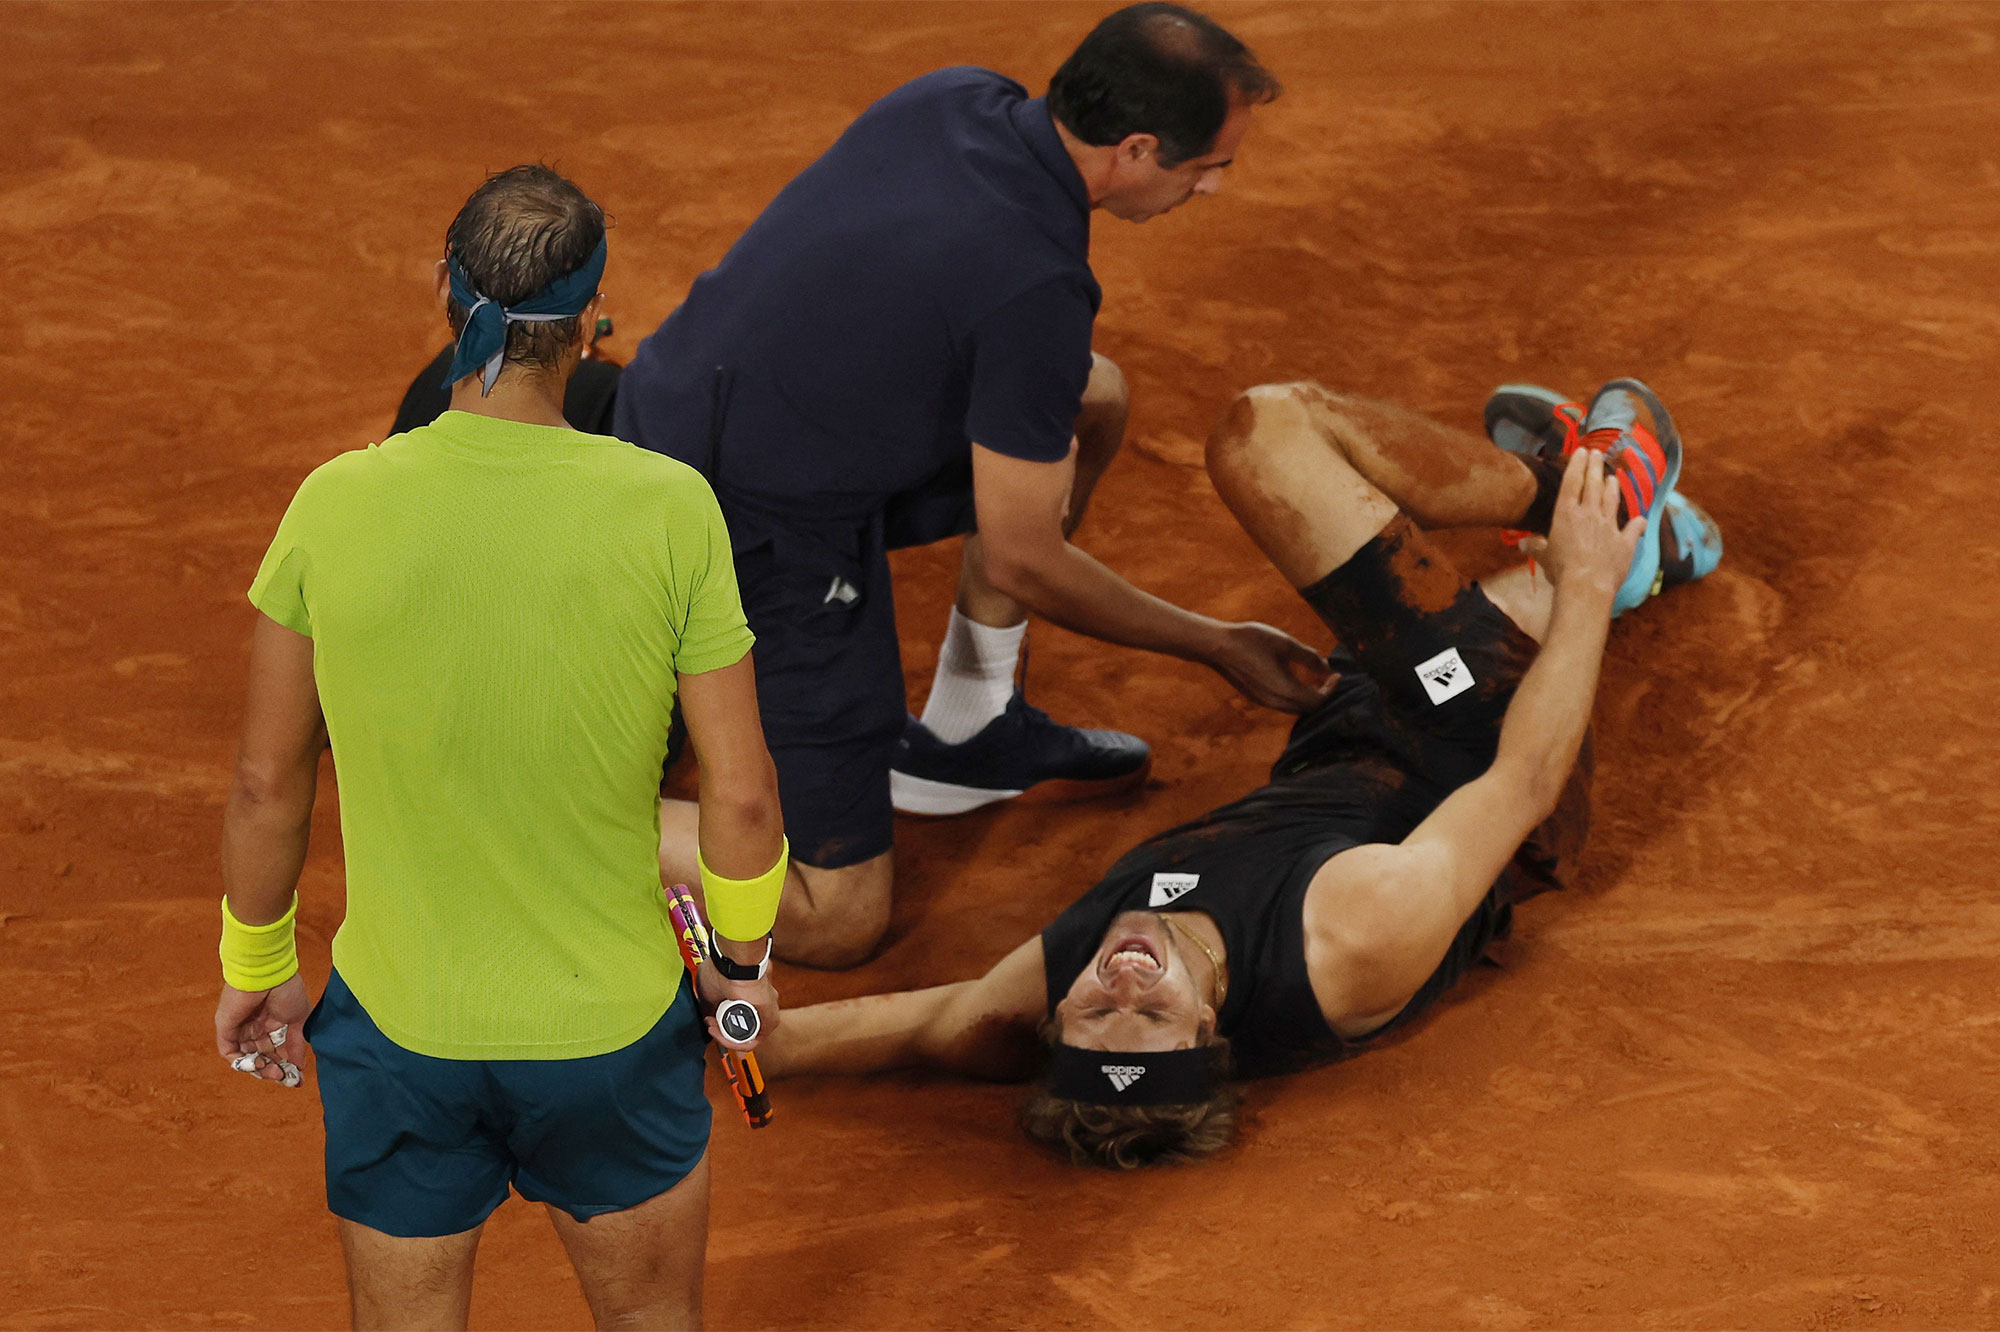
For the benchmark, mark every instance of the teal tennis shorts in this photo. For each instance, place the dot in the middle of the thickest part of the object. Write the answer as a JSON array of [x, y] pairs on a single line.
[[420, 1146]]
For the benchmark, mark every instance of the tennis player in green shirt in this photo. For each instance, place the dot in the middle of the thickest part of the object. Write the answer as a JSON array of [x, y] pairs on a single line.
[[487, 619]]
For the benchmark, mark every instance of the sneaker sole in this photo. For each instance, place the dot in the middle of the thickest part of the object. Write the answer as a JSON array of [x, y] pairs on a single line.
[[1695, 532], [1498, 414], [921, 797]]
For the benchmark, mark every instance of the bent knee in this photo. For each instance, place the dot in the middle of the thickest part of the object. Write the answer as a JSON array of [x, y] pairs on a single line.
[[1105, 390], [1254, 420]]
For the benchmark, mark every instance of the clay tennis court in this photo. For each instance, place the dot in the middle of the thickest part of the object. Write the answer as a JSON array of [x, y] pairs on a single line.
[[1743, 1075]]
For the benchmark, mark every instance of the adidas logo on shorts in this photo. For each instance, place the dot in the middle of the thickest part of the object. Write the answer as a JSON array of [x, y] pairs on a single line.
[[1445, 676], [1122, 1075]]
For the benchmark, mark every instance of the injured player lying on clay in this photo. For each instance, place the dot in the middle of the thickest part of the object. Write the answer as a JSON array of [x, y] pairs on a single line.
[[1444, 779]]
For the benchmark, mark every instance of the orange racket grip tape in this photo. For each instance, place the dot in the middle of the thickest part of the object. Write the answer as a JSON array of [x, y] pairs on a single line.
[[747, 1081]]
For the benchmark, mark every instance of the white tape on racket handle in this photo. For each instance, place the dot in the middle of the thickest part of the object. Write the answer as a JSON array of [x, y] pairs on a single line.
[[738, 1019]]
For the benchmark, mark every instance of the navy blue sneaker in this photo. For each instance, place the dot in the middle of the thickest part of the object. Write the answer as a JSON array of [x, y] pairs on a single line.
[[1019, 749]]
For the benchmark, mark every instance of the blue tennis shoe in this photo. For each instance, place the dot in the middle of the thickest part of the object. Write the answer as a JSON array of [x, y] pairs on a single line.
[[1629, 424]]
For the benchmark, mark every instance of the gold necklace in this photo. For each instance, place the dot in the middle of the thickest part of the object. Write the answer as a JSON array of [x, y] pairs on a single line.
[[1221, 971]]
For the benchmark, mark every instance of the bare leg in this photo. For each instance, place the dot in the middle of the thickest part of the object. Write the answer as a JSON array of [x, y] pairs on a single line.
[[1100, 432], [642, 1267], [826, 918], [1440, 476], [1525, 596], [1313, 477], [395, 1282]]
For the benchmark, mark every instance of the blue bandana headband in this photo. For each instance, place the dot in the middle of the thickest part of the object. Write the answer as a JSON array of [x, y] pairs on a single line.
[[483, 344]]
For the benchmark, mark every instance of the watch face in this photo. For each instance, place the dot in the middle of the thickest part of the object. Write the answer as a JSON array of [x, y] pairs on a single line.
[[737, 1019]]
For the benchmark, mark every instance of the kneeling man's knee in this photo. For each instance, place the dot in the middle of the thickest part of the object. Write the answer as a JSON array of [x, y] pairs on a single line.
[[837, 925], [1105, 390], [837, 940]]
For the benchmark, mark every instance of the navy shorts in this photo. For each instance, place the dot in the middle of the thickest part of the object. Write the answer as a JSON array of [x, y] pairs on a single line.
[[420, 1146], [829, 668], [814, 575]]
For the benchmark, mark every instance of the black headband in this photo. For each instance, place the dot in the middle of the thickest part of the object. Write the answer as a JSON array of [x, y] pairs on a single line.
[[1126, 1077]]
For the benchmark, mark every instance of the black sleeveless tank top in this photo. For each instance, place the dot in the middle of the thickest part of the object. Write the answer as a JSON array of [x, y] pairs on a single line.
[[1345, 779]]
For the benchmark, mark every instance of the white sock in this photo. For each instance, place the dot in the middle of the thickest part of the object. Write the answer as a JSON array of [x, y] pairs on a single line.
[[975, 677]]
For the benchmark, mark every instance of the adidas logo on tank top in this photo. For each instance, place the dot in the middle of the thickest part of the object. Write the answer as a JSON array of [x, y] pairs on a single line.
[[1168, 887]]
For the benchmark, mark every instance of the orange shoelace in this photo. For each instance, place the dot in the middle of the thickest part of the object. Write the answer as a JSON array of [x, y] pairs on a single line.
[[1635, 456]]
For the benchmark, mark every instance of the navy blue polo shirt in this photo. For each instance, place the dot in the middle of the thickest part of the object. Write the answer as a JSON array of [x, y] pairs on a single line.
[[925, 284]]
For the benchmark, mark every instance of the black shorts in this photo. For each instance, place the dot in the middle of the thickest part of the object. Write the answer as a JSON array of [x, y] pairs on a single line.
[[1438, 664], [1446, 659]]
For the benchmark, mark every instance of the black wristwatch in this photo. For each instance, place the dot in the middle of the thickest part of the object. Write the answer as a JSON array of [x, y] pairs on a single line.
[[730, 969]]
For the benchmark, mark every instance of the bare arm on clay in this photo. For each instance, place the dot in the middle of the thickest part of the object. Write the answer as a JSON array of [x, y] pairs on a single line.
[[981, 1028]]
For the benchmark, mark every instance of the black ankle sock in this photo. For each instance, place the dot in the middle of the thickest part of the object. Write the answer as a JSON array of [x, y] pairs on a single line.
[[1548, 474]]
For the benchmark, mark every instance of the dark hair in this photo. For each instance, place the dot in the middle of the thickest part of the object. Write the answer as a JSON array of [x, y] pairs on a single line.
[[1125, 1137], [521, 230], [1157, 69]]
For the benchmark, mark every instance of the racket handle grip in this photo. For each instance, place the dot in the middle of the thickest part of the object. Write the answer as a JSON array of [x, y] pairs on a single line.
[[747, 1081]]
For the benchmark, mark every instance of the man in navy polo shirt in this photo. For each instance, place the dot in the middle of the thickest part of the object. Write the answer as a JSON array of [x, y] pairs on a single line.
[[897, 351]]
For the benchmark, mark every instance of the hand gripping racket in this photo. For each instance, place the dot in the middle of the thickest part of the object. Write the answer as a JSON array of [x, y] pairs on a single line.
[[734, 1016]]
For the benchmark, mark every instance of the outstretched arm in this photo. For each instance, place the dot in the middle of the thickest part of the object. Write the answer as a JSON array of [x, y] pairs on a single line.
[[981, 1028], [1380, 918]]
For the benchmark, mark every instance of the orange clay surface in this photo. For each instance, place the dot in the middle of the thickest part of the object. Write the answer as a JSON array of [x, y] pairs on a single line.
[[1743, 1075]]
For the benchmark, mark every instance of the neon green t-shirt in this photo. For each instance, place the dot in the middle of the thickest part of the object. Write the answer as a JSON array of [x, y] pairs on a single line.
[[498, 613]]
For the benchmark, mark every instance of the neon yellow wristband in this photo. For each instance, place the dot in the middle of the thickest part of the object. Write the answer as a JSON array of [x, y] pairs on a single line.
[[260, 957], [744, 909]]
